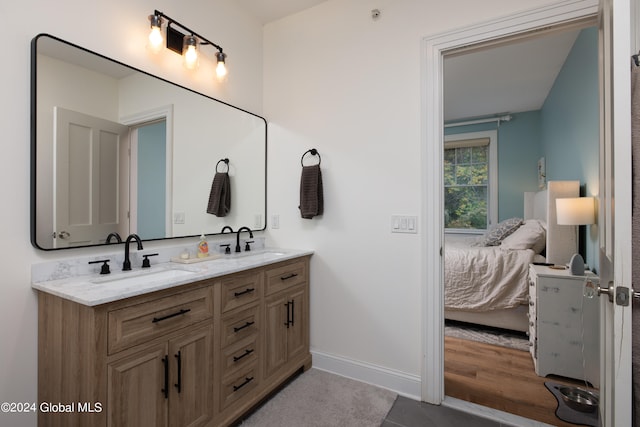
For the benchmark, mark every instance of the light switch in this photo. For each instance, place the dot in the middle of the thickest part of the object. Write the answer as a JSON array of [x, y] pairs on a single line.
[[404, 224], [178, 218]]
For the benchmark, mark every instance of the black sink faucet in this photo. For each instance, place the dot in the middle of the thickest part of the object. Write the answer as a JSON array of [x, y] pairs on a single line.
[[115, 236], [225, 228], [241, 229], [127, 263]]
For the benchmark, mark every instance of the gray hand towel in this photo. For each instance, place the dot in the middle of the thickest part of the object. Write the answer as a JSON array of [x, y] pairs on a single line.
[[311, 197], [220, 195]]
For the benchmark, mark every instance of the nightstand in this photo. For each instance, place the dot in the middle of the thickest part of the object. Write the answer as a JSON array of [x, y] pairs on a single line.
[[564, 325]]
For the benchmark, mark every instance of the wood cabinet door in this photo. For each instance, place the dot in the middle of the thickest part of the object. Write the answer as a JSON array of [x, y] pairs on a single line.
[[135, 390], [276, 333], [297, 333], [191, 378]]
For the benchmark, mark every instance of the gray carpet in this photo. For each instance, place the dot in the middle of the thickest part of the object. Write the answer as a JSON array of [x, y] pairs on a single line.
[[320, 399], [495, 336]]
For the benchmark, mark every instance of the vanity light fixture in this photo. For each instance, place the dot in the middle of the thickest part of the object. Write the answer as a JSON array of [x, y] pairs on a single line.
[[184, 41]]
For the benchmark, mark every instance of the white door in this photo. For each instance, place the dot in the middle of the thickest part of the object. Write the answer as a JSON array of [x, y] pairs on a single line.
[[90, 178], [615, 212]]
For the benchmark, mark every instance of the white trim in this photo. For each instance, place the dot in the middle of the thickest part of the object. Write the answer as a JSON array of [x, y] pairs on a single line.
[[402, 383], [164, 112], [504, 418], [493, 170], [433, 47]]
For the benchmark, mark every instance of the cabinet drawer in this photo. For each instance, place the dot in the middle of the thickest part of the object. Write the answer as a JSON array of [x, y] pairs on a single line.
[[240, 290], [239, 356], [143, 322], [283, 277], [239, 325], [238, 386]]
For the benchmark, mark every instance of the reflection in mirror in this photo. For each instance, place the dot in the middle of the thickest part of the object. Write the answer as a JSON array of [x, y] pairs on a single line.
[[116, 150]]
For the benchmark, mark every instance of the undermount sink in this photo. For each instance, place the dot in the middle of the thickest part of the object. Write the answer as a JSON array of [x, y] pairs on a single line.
[[263, 254], [146, 276]]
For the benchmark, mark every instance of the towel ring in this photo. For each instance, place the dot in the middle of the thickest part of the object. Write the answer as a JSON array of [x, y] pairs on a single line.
[[225, 161], [313, 152]]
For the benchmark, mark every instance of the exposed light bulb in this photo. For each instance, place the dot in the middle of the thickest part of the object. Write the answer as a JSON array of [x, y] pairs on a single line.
[[221, 68], [190, 52], [155, 36]]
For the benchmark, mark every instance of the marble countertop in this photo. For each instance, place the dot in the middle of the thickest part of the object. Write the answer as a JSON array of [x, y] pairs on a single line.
[[95, 289]]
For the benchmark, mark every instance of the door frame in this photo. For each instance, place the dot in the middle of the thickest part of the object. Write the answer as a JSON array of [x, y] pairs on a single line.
[[433, 48]]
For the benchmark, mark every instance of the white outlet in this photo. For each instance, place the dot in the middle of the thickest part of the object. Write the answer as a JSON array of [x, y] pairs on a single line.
[[404, 224], [178, 218], [257, 221], [275, 221]]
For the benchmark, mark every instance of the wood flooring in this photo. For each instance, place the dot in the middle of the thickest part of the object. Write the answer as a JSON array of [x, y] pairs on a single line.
[[499, 378]]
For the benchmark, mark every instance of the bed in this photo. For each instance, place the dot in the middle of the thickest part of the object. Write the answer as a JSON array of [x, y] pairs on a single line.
[[488, 285]]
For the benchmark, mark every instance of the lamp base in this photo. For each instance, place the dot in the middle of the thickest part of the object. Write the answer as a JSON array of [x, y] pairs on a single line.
[[576, 265]]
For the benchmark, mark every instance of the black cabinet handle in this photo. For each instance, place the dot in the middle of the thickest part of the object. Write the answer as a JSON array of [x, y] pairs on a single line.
[[246, 291], [168, 316], [165, 390], [246, 325], [245, 354], [247, 380], [291, 276], [293, 315], [179, 384], [288, 315]]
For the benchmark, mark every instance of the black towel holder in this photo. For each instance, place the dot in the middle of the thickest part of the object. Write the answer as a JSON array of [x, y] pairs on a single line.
[[313, 152], [225, 161]]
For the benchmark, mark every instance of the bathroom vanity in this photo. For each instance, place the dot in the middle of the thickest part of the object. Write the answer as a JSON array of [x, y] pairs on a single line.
[[165, 348]]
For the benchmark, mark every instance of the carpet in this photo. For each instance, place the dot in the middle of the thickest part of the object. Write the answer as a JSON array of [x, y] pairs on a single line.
[[487, 335], [321, 399]]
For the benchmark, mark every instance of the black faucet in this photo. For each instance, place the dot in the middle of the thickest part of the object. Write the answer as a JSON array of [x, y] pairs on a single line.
[[115, 236], [226, 227], [126, 266], [241, 229]]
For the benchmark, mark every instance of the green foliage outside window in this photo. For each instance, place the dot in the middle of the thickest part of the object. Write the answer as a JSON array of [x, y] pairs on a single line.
[[466, 187]]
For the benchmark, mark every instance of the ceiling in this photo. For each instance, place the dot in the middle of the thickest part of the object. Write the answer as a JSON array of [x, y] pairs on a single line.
[[506, 79]]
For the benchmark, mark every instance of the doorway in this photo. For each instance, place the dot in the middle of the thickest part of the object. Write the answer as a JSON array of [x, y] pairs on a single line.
[[527, 24]]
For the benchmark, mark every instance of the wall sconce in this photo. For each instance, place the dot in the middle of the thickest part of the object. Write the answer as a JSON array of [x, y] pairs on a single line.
[[576, 211], [186, 42]]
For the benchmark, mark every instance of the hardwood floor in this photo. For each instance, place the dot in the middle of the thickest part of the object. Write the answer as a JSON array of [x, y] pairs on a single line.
[[500, 378]]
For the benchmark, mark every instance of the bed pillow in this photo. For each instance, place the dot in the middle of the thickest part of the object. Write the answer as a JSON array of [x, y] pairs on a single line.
[[498, 232], [530, 235]]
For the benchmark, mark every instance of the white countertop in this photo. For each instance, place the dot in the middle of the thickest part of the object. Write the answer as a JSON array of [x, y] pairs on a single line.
[[95, 289]]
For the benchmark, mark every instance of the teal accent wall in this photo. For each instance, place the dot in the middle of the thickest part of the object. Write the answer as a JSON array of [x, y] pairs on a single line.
[[518, 153], [152, 180], [570, 131]]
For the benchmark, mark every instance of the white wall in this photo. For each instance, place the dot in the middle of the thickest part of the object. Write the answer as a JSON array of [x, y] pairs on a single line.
[[117, 29], [349, 86]]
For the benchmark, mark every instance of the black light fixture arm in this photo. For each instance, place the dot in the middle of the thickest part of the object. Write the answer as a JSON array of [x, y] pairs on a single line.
[[171, 21]]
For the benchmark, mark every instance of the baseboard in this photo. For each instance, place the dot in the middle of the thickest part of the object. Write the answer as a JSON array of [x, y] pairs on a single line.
[[402, 383]]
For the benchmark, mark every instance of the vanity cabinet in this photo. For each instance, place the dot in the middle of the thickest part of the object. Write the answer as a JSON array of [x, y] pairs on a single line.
[[199, 354], [163, 384]]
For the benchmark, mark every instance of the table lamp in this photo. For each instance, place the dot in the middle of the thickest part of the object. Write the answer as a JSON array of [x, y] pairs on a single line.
[[576, 211]]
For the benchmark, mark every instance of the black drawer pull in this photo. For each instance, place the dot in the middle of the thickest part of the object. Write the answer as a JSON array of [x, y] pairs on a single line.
[[246, 353], [178, 385], [247, 291], [168, 316], [291, 276], [247, 380], [246, 325], [288, 322]]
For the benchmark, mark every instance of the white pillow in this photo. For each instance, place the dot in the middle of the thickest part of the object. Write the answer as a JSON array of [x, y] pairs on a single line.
[[530, 235]]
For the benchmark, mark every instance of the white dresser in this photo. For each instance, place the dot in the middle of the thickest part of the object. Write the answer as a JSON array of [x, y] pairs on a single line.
[[564, 326]]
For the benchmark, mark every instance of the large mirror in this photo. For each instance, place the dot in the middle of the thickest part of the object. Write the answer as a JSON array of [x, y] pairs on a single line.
[[117, 150]]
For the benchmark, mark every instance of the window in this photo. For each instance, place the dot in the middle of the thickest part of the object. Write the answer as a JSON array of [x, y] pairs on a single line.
[[470, 181]]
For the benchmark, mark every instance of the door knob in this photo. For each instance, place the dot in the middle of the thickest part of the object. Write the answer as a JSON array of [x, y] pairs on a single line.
[[64, 235]]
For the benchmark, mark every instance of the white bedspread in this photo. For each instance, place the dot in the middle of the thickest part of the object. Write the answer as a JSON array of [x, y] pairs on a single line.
[[485, 278]]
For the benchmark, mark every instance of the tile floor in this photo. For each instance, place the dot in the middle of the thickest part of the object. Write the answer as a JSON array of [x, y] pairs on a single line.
[[411, 413]]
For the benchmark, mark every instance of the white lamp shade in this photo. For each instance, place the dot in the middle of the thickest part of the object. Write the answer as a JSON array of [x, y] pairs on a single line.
[[576, 211]]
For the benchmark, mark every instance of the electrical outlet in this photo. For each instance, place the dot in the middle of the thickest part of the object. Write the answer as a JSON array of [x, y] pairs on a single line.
[[178, 218], [275, 221]]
